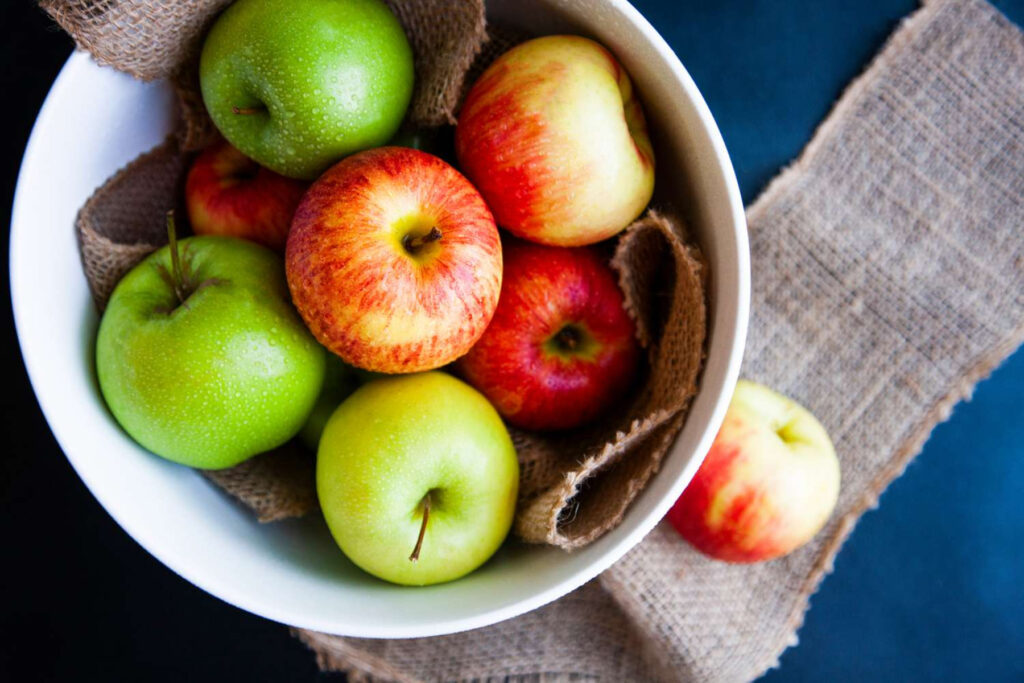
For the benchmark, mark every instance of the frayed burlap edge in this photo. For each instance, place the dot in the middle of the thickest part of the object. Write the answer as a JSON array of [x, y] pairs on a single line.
[[335, 654], [663, 286], [104, 260], [940, 411], [542, 519], [442, 59]]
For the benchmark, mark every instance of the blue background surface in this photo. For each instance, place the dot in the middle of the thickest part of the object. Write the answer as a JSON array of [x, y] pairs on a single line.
[[929, 586]]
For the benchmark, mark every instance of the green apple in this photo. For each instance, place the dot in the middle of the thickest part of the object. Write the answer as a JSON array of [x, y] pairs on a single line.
[[340, 380], [202, 359], [417, 478], [298, 84]]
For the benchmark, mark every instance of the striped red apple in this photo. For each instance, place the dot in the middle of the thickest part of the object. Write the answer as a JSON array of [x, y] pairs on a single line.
[[768, 484], [555, 139], [394, 261], [560, 349], [227, 193]]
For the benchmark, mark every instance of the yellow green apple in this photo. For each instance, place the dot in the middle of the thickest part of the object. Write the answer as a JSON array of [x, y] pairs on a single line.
[[417, 478]]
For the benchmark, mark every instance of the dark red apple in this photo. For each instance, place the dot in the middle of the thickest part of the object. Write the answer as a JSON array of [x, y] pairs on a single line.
[[229, 194], [560, 348]]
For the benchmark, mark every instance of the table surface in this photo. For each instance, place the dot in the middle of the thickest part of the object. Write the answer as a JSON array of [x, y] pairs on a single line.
[[927, 588]]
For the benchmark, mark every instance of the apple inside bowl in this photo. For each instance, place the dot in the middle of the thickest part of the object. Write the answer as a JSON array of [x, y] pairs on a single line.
[[95, 120]]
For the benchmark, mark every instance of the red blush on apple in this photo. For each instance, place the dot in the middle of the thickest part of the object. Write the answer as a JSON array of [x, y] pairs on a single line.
[[561, 349]]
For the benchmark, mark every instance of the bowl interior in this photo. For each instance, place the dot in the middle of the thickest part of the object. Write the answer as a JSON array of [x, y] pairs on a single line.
[[96, 120]]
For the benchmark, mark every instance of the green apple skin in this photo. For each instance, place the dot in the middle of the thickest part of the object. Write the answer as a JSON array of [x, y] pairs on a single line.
[[394, 441], [229, 374], [340, 380], [322, 79]]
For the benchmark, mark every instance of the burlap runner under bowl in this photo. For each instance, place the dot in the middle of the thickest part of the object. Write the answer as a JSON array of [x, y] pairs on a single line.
[[888, 278], [575, 485]]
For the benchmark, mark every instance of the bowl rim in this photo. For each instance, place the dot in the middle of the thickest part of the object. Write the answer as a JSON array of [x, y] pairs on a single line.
[[736, 323]]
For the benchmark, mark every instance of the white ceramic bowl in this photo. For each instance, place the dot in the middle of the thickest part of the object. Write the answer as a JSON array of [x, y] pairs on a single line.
[[95, 120]]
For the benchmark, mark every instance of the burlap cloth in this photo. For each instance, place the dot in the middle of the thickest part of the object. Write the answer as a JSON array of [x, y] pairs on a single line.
[[888, 278]]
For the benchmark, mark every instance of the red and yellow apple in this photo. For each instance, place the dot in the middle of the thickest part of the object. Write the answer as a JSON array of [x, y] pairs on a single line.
[[768, 484], [555, 139], [394, 261], [561, 348], [229, 194]]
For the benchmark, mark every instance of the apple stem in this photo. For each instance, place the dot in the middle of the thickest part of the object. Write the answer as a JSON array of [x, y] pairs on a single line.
[[413, 244], [246, 111], [568, 338], [423, 529], [177, 279]]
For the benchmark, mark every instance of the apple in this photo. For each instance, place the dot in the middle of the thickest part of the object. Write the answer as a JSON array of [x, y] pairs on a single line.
[[200, 356], [768, 484], [339, 382], [298, 85], [555, 139], [417, 478], [394, 261], [227, 193], [560, 349]]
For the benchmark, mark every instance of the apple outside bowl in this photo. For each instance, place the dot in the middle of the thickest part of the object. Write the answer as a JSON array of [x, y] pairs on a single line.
[[95, 120]]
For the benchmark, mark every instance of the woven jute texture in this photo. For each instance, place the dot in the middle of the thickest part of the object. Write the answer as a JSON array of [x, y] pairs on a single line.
[[888, 278], [275, 485], [575, 486], [126, 219]]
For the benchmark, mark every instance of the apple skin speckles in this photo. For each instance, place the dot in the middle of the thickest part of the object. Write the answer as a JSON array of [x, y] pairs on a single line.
[[210, 383], [363, 293], [317, 80]]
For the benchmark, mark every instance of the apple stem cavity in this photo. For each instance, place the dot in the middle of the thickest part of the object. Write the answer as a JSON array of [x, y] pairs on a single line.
[[414, 243], [247, 111], [423, 527], [568, 338], [177, 277]]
